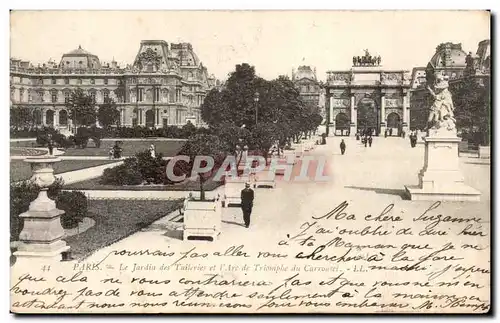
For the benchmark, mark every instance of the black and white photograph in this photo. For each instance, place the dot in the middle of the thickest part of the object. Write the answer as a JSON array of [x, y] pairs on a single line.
[[250, 161]]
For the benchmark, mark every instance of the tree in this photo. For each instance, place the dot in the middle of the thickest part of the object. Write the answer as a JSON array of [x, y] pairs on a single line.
[[232, 136], [264, 136], [21, 117], [205, 145], [235, 103], [215, 108], [108, 114], [81, 108], [473, 107]]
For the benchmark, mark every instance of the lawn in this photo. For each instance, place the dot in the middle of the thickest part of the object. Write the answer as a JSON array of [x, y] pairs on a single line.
[[30, 143], [115, 220], [25, 151], [93, 184], [20, 170], [167, 148]]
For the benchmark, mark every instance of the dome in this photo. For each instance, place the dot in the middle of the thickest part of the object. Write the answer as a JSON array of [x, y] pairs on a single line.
[[185, 53], [79, 59], [448, 55], [305, 72]]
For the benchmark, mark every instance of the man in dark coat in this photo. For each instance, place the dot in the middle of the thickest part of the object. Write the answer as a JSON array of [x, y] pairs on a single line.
[[370, 140], [342, 146], [247, 203]]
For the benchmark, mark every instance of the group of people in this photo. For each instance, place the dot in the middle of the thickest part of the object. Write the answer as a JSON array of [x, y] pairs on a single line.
[[413, 139], [365, 137], [116, 151]]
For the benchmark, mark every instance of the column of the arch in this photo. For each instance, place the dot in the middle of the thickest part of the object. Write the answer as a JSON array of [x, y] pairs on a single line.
[[354, 116], [406, 113], [383, 124], [331, 121]]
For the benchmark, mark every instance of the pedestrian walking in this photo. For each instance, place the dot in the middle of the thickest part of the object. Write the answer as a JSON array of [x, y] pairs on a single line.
[[247, 203], [370, 140], [342, 147], [366, 141]]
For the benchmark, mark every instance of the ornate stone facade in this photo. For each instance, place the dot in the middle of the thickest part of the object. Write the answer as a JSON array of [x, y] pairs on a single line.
[[165, 85], [367, 98], [310, 89], [452, 61]]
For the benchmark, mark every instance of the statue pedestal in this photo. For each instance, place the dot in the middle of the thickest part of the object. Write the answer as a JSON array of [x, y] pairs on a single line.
[[441, 178], [42, 231]]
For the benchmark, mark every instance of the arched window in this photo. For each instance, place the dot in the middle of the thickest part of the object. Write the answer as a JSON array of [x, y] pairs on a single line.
[[37, 115], [63, 118], [66, 80]]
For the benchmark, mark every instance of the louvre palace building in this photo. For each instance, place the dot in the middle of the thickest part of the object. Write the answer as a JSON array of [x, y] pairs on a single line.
[[165, 85]]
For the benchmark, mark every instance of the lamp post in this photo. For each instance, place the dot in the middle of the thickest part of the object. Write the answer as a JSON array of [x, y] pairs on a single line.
[[256, 100]]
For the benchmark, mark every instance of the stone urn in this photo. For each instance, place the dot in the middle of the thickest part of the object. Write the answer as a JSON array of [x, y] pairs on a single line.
[[42, 233]]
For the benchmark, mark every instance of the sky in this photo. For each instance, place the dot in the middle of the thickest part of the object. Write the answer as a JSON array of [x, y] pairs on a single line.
[[274, 42]]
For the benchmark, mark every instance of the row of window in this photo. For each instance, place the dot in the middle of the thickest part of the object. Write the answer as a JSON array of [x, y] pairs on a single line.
[[309, 88], [66, 81], [54, 95], [140, 95]]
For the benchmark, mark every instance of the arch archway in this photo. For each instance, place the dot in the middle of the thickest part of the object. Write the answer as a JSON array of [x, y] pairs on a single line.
[[367, 116], [393, 124], [342, 123], [150, 118], [49, 118], [63, 118]]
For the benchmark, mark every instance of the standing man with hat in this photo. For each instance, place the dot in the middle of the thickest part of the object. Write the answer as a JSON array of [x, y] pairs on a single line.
[[247, 203]]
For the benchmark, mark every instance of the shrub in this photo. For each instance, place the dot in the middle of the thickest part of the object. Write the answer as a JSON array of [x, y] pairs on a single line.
[[23, 133], [81, 141], [151, 169], [74, 204], [124, 174], [188, 130], [140, 169]]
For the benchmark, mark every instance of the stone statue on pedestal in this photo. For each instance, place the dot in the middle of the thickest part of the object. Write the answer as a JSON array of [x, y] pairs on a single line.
[[441, 112], [440, 178]]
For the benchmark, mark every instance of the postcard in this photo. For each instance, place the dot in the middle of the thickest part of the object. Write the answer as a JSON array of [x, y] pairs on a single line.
[[250, 162]]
